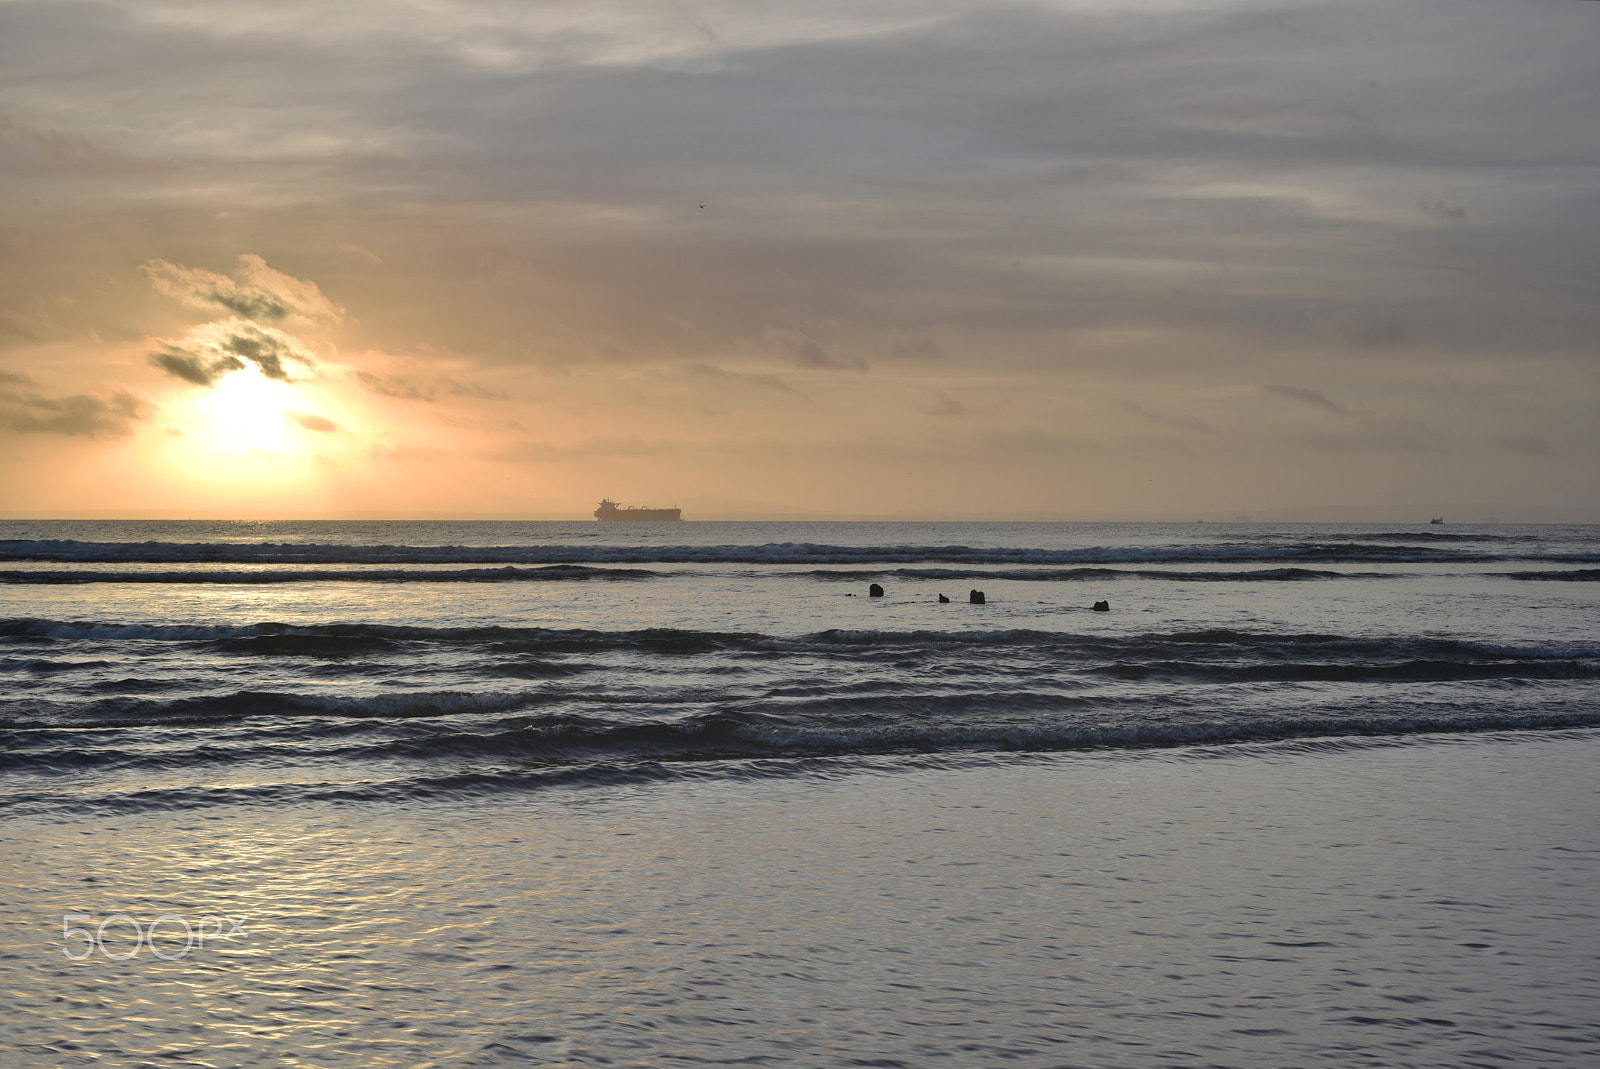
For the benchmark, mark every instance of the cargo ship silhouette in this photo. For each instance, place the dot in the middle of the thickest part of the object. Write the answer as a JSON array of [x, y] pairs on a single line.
[[609, 510]]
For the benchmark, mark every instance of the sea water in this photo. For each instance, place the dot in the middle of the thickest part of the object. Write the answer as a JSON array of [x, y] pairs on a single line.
[[685, 793]]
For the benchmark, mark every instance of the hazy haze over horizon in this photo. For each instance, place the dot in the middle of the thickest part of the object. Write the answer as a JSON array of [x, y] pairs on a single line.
[[1075, 260]]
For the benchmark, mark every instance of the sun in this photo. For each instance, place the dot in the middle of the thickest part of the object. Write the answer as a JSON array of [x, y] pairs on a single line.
[[240, 439], [244, 413]]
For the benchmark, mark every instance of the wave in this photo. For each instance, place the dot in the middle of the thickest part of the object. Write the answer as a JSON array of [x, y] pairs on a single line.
[[33, 629], [212, 709], [1419, 536], [1321, 551], [43, 666], [506, 574], [555, 572], [271, 638], [1263, 575], [724, 748]]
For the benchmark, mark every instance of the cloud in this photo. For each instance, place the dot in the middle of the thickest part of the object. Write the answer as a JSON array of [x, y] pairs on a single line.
[[72, 152], [806, 352], [208, 352], [531, 452], [313, 422], [24, 409], [1305, 396], [712, 371], [395, 386], [942, 404], [356, 250], [255, 291], [919, 347], [1384, 434], [1454, 213], [403, 388], [1175, 422], [1527, 444]]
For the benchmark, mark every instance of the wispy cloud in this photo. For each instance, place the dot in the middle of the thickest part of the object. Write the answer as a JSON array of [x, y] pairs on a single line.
[[111, 415], [427, 389], [712, 371], [313, 422], [73, 152], [1170, 420], [1306, 396], [807, 352], [254, 290]]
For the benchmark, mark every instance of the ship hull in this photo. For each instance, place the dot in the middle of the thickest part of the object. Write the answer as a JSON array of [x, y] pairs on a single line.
[[639, 515]]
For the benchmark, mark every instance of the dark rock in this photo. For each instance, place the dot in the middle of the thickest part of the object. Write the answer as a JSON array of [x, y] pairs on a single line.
[[976, 597], [874, 591], [1102, 606], [943, 600]]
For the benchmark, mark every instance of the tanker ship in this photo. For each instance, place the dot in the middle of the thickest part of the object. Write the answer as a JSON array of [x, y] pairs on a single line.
[[609, 510]]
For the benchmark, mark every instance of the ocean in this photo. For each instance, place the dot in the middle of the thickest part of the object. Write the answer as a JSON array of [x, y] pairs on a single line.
[[480, 793]]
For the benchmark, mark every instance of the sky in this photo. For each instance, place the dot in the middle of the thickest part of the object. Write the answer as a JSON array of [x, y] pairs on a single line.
[[1078, 260]]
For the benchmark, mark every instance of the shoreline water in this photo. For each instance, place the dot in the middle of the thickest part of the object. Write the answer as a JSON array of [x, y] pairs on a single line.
[[1421, 903]]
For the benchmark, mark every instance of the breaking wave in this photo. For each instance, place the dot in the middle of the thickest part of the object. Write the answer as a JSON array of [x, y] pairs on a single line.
[[1319, 551]]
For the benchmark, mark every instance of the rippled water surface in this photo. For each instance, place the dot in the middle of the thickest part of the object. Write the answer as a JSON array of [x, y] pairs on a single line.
[[1421, 904]]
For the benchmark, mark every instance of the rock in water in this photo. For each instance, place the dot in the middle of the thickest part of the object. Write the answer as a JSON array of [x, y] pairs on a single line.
[[1102, 606], [976, 597], [874, 591], [943, 600]]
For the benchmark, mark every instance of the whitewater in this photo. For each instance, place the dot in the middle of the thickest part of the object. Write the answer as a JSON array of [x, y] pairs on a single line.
[[465, 716]]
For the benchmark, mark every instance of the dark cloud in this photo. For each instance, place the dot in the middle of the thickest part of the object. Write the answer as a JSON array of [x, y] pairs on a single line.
[[112, 415], [209, 352], [191, 368]]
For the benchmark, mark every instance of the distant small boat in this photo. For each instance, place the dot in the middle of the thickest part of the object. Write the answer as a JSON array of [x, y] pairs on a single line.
[[1437, 519], [609, 510]]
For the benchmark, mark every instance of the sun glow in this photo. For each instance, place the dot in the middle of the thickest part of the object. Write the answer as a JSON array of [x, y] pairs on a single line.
[[246, 438]]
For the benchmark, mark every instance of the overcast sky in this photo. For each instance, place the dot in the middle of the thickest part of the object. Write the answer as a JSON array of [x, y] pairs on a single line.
[[1083, 259]]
